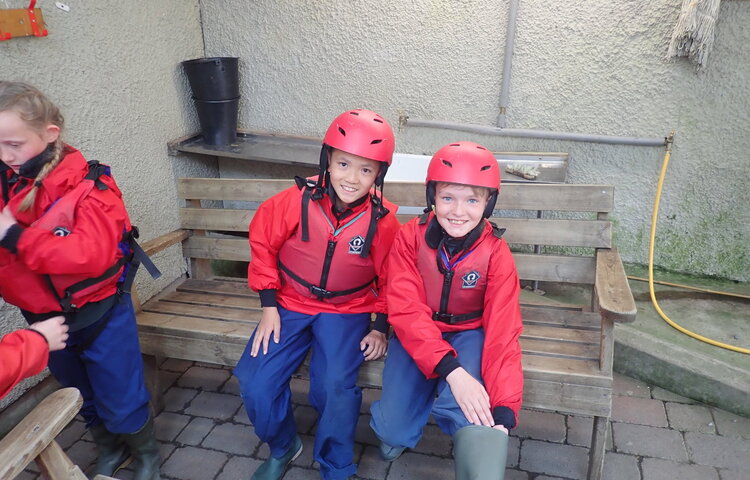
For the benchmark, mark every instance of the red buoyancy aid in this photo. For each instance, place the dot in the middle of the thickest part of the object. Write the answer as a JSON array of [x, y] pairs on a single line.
[[67, 292], [456, 296], [60, 220], [329, 266]]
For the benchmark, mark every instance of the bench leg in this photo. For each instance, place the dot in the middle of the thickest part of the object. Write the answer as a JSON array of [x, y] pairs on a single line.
[[151, 373], [598, 445], [55, 464]]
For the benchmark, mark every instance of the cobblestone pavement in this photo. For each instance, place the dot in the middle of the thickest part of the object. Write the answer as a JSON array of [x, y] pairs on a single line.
[[205, 434]]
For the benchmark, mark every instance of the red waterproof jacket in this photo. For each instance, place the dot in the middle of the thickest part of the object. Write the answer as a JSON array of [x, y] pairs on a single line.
[[87, 252], [278, 219], [421, 336], [23, 353]]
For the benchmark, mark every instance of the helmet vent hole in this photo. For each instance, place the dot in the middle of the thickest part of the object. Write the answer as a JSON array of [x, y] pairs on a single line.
[[354, 113], [486, 167], [455, 145], [447, 163], [342, 131], [376, 141], [481, 147], [377, 120]]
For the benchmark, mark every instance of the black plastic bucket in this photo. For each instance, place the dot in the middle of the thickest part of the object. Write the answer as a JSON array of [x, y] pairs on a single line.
[[213, 78], [218, 119]]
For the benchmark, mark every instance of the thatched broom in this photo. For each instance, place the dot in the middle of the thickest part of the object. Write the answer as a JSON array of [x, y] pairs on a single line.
[[693, 36]]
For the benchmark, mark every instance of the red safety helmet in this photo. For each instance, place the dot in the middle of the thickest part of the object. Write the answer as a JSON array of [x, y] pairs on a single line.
[[466, 163], [363, 133]]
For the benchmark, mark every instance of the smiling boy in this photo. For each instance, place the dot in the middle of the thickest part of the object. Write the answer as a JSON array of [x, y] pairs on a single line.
[[453, 294]]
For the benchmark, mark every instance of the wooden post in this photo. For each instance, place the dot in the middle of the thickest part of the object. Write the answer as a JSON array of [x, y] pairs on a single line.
[[200, 267]]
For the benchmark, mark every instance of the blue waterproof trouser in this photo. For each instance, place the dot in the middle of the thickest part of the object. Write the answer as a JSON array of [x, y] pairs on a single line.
[[336, 358], [109, 372], [408, 397]]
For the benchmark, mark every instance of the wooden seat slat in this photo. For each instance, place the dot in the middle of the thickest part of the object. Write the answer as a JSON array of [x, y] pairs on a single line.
[[202, 311], [214, 300], [197, 327], [215, 286]]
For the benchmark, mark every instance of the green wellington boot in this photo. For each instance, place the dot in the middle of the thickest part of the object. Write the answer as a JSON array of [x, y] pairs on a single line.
[[274, 468], [112, 454], [145, 451], [480, 453]]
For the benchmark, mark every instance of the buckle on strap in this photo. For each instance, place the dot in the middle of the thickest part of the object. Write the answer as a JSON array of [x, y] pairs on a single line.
[[320, 292], [444, 317]]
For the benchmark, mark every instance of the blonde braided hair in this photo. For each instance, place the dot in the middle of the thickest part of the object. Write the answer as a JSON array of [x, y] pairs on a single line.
[[37, 111]]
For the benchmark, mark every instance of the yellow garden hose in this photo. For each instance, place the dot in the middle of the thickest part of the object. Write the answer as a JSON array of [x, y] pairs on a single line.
[[654, 215]]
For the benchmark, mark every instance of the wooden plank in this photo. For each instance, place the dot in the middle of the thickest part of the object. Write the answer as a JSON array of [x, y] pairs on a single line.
[[214, 300], [560, 334], [54, 464], [248, 190], [199, 267], [221, 219], [555, 268], [37, 430], [566, 397], [558, 317], [237, 249], [547, 268], [612, 288], [195, 327], [162, 242], [215, 286], [528, 231], [558, 232], [193, 349], [222, 314], [533, 346], [558, 197], [579, 372]]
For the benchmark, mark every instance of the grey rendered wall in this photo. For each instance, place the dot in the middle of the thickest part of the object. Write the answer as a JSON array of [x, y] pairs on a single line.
[[112, 67], [585, 66]]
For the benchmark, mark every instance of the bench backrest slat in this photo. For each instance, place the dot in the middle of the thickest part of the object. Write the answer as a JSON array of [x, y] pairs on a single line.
[[558, 197], [570, 221]]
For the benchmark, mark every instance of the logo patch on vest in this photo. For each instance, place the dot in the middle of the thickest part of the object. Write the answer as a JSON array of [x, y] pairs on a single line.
[[470, 279], [356, 244], [60, 232]]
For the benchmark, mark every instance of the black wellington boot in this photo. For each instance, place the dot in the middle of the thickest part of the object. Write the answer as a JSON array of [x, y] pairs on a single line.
[[113, 453], [145, 451]]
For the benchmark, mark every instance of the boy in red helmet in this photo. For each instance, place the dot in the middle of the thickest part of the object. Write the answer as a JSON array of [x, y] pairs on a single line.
[[318, 253], [453, 298]]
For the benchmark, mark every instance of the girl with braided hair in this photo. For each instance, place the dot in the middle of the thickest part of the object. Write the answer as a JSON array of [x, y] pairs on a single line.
[[65, 250]]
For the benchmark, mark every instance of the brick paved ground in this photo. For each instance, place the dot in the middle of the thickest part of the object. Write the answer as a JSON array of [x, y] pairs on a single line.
[[655, 434]]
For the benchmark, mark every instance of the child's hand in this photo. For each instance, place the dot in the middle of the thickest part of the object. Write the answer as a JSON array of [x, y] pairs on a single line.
[[471, 396], [54, 330], [501, 428], [270, 323], [374, 345]]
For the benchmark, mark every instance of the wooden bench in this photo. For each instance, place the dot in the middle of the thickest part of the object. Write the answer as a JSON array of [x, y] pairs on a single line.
[[33, 439], [567, 349]]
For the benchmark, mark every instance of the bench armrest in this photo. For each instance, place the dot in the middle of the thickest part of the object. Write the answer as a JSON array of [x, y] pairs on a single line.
[[37, 430], [612, 290], [156, 245]]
